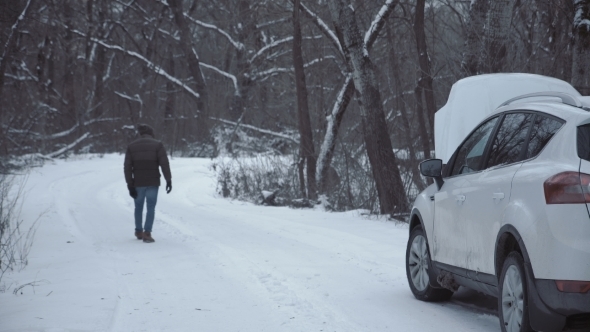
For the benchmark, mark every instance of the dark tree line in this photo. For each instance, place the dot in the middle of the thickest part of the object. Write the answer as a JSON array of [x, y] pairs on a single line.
[[349, 87]]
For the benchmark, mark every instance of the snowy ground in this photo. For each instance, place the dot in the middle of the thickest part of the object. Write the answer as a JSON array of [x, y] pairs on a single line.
[[216, 265]]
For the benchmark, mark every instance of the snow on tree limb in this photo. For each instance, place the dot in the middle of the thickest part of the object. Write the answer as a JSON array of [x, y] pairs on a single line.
[[226, 74], [378, 22], [236, 44], [59, 134], [322, 26], [67, 147], [269, 46], [13, 30], [155, 68], [582, 14], [330, 130], [275, 44], [260, 130], [266, 24], [275, 71]]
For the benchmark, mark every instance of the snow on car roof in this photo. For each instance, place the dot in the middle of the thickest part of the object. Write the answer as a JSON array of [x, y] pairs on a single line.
[[473, 98]]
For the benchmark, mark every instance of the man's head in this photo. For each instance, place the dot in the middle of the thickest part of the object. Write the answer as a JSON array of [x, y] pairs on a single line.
[[144, 129]]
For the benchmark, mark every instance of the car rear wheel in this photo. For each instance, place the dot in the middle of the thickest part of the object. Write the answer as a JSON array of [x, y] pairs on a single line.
[[418, 266], [512, 299]]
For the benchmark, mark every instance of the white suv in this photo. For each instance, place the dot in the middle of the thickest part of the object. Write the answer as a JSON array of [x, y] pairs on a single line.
[[508, 215]]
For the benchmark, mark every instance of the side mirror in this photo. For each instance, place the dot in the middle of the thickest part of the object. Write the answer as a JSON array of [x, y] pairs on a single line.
[[432, 168]]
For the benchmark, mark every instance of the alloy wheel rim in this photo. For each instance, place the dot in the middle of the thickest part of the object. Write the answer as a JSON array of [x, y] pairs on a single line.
[[418, 263], [512, 299]]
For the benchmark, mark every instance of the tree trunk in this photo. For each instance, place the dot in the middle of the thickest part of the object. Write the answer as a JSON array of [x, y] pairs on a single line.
[[9, 24], [425, 77], [343, 98], [333, 125], [401, 106], [474, 36], [305, 133], [69, 84], [194, 69], [498, 23], [422, 125], [581, 56], [245, 28], [392, 197], [99, 64]]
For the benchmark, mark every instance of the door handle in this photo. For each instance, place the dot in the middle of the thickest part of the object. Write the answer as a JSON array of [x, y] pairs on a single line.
[[498, 196], [460, 198]]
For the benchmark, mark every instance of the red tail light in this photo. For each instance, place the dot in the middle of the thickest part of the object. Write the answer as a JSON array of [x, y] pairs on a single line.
[[567, 188]]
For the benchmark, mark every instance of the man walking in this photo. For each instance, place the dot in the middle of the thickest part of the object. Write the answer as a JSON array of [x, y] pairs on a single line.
[[143, 158]]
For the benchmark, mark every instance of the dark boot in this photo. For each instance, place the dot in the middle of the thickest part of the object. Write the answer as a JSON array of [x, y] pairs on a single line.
[[147, 237], [139, 235]]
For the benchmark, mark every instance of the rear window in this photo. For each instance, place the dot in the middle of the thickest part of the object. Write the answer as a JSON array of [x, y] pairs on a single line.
[[543, 130], [509, 141], [584, 142]]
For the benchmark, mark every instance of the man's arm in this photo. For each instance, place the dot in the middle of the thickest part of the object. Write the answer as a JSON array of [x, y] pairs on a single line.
[[128, 169], [164, 163]]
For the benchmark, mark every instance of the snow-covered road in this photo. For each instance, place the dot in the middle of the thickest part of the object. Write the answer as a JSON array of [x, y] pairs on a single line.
[[216, 265]]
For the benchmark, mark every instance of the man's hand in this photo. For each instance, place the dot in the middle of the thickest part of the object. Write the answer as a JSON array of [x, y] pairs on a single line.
[[132, 192], [168, 186]]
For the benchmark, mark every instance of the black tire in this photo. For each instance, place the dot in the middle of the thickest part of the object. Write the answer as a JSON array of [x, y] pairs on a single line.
[[418, 265], [513, 308]]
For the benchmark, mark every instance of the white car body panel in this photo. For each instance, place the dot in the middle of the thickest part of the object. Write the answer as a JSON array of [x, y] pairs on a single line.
[[487, 196]]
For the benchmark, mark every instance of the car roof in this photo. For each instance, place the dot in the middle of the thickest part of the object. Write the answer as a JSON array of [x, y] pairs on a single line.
[[551, 105]]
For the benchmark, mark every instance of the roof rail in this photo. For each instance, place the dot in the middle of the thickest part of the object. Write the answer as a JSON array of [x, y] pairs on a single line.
[[565, 98]]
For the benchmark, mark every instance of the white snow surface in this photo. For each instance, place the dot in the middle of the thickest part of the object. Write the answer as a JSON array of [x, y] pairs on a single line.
[[473, 98], [216, 265]]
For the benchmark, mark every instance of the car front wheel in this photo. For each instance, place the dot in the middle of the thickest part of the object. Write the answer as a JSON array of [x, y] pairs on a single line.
[[512, 300], [417, 269]]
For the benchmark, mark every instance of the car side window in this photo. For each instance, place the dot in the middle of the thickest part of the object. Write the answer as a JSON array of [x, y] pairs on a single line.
[[543, 130], [469, 155], [507, 146]]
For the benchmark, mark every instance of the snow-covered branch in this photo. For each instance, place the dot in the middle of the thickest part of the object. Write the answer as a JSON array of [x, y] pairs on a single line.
[[275, 71], [581, 16], [223, 73], [322, 26], [260, 130], [378, 22], [269, 46], [59, 134], [331, 129], [155, 68], [67, 147], [136, 98], [236, 44], [266, 24], [277, 43], [13, 29]]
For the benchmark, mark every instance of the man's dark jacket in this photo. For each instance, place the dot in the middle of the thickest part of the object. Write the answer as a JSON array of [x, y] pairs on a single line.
[[143, 158]]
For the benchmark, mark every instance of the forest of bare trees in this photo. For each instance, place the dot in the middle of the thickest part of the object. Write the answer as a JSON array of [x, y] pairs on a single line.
[[349, 88]]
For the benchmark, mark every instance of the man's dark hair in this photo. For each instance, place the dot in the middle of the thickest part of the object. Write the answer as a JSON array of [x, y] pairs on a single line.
[[144, 129]]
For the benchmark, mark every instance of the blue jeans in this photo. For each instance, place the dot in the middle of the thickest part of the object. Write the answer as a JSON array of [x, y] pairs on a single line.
[[149, 194]]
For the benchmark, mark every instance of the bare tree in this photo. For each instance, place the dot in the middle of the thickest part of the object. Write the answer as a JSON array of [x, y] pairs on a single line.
[[424, 84], [195, 70], [307, 153], [392, 198], [494, 49], [581, 60], [474, 26]]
